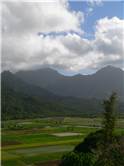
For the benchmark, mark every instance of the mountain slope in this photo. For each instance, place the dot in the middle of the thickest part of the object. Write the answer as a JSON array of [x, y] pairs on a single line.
[[14, 83], [22, 100], [98, 85], [41, 77]]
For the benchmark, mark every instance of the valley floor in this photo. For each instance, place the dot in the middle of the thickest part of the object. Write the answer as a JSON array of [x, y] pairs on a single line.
[[39, 142]]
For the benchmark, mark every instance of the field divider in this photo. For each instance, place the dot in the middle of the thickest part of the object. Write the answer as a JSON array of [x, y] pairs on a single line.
[[24, 146]]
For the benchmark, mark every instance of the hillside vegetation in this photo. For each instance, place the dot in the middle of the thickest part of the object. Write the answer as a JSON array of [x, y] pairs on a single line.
[[24, 99]]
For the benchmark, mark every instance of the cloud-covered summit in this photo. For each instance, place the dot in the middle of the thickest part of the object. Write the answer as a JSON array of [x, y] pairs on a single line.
[[23, 48]]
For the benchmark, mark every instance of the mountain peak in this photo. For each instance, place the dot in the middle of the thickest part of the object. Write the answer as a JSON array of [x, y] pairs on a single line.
[[6, 72], [109, 69], [98, 85]]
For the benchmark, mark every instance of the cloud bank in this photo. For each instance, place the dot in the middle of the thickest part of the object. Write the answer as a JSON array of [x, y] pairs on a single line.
[[24, 45]]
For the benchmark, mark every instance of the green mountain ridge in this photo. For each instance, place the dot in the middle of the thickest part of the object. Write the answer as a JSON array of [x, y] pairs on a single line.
[[24, 100], [98, 85], [19, 102]]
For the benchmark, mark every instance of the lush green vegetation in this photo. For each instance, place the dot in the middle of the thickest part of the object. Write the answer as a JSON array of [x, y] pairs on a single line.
[[21, 106], [16, 105], [27, 142], [21, 101], [103, 147]]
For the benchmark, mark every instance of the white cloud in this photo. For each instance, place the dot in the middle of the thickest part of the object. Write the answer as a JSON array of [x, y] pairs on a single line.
[[109, 38], [92, 4], [34, 17], [95, 2], [22, 48]]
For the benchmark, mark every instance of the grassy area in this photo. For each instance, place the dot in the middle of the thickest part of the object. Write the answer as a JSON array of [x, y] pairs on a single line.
[[27, 142]]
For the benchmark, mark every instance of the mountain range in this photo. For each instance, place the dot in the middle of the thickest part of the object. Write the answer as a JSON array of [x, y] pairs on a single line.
[[45, 92], [98, 85]]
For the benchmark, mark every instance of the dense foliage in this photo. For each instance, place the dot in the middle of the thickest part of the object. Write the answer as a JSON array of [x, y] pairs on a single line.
[[77, 159], [17, 105], [91, 143], [102, 148], [21, 100], [109, 118]]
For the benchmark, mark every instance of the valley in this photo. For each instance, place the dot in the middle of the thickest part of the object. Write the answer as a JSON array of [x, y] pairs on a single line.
[[39, 125], [37, 141], [30, 94]]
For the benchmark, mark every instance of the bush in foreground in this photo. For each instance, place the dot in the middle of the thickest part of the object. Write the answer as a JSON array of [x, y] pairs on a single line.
[[77, 159], [102, 148]]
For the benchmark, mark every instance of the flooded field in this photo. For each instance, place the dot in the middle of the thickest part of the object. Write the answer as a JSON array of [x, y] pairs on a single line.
[[39, 142]]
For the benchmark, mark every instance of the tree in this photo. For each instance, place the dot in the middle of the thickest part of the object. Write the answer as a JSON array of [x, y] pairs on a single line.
[[110, 117], [111, 153], [102, 148]]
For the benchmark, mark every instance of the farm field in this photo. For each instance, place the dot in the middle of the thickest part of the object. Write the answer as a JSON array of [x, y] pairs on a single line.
[[35, 141]]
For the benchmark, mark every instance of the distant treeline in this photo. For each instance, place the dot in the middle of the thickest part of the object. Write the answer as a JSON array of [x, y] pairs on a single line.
[[21, 100], [20, 106]]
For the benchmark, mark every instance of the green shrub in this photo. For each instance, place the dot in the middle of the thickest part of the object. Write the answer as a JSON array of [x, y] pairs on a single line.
[[112, 156], [77, 159], [91, 143]]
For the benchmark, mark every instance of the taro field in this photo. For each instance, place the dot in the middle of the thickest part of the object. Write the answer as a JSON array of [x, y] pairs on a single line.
[[37, 141]]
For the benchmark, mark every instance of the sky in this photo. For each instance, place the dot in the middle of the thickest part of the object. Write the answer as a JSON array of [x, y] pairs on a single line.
[[69, 36]]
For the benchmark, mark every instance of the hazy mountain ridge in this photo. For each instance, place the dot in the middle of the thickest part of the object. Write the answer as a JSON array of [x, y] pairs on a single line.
[[16, 84], [97, 85], [21, 99], [41, 77]]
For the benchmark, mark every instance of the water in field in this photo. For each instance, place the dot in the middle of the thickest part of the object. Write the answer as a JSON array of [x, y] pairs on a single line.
[[66, 134], [26, 142], [46, 149]]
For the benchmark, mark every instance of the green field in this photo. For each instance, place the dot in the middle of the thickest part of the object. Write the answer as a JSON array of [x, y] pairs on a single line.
[[28, 142]]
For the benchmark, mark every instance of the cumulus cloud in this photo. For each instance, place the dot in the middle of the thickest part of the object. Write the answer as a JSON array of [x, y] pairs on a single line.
[[37, 17], [92, 4], [23, 48], [109, 40]]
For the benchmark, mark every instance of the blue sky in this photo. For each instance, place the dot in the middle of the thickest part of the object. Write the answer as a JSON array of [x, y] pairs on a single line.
[[105, 9]]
